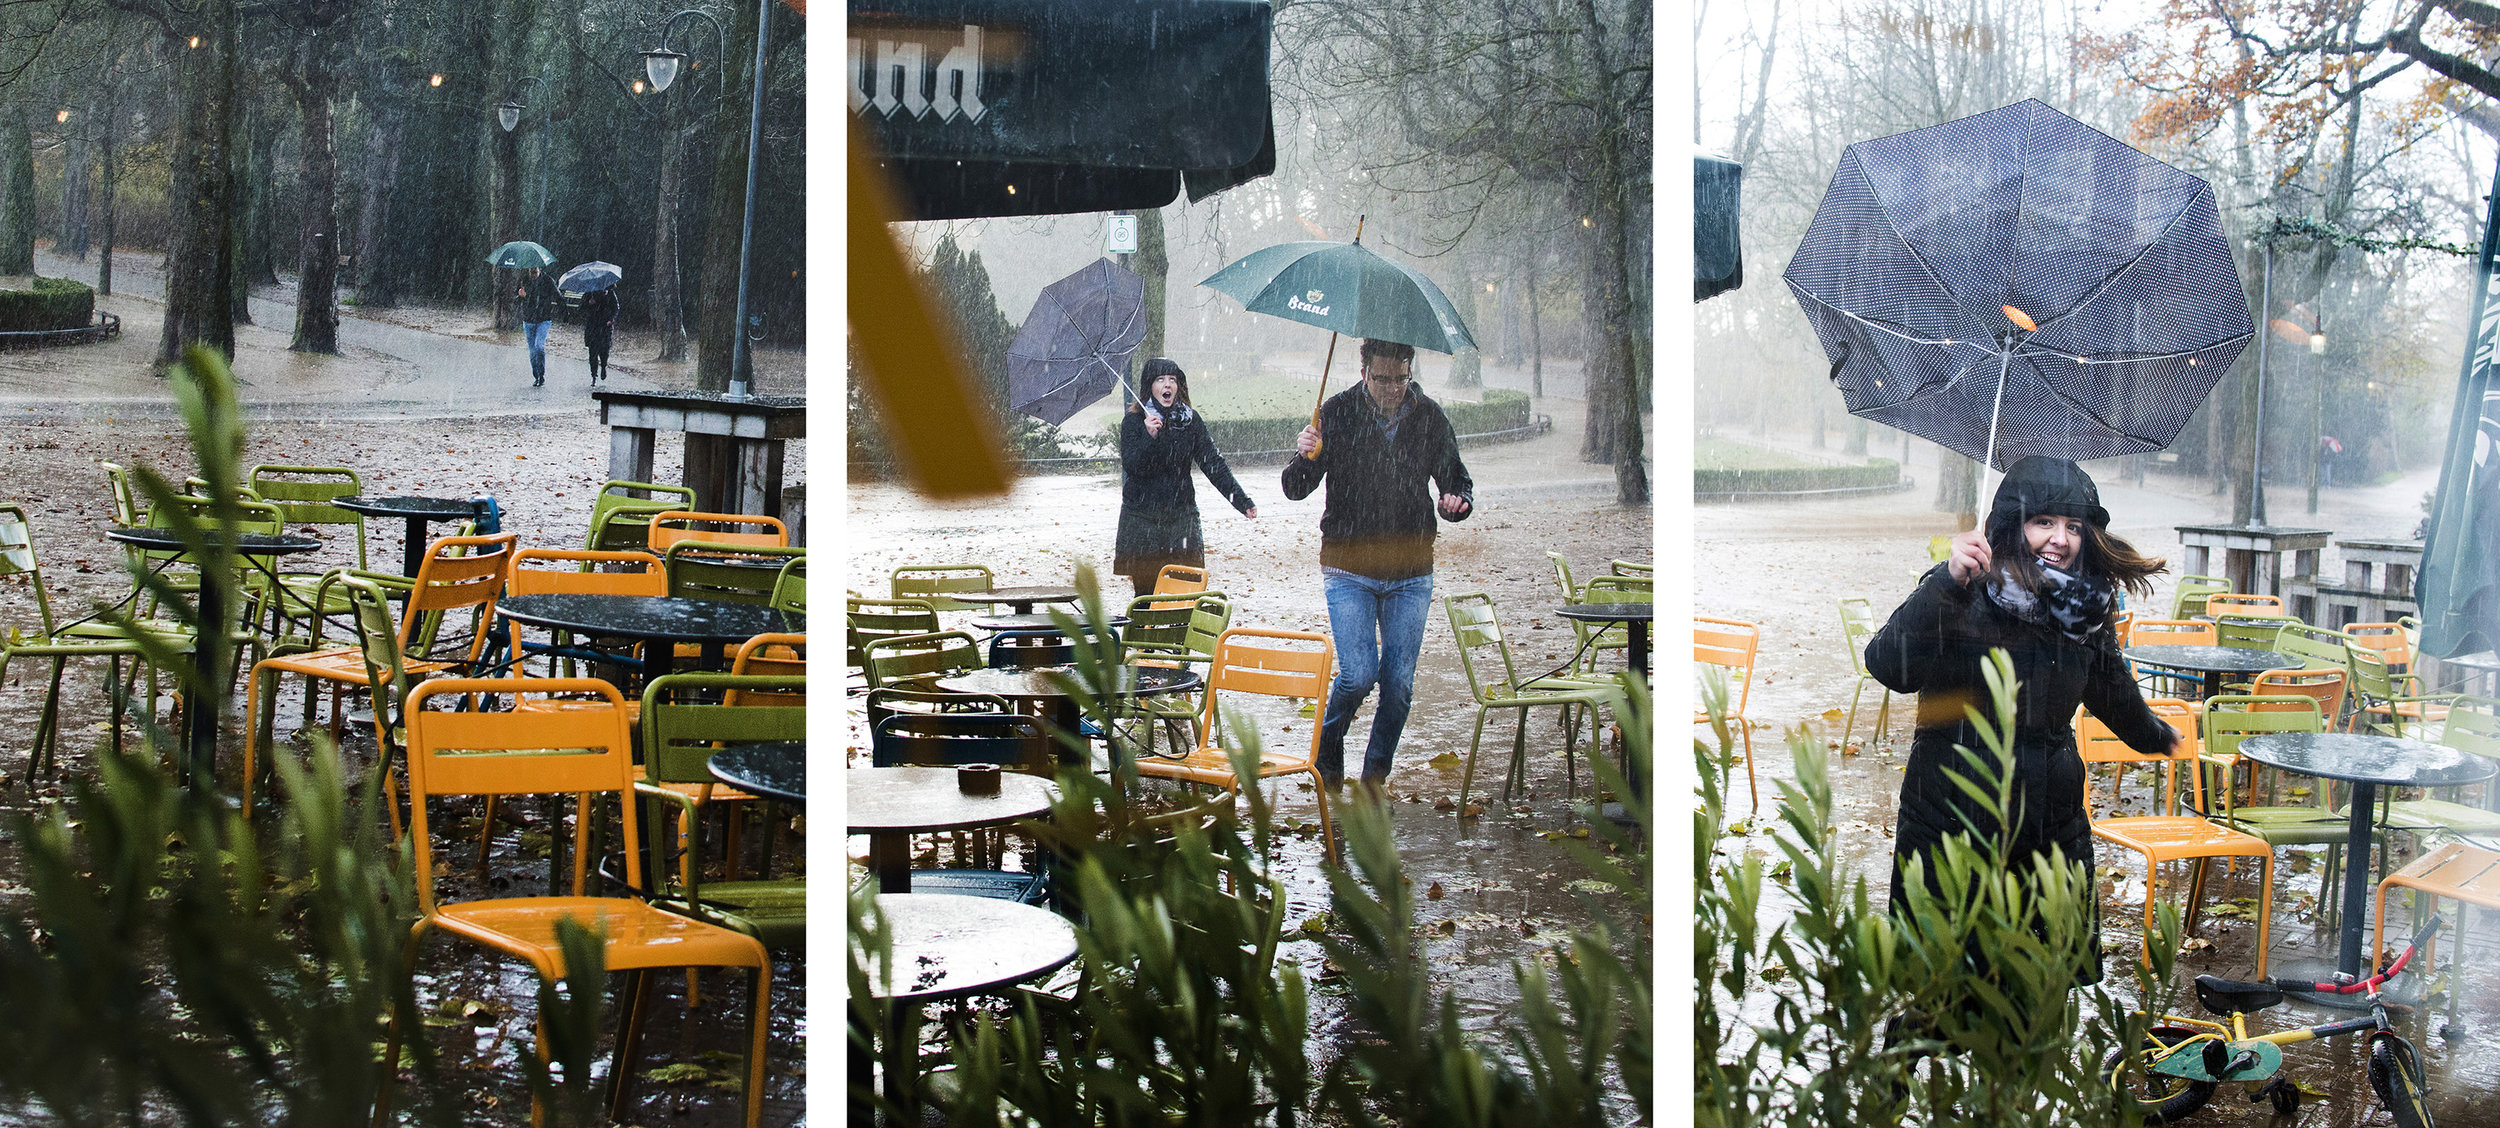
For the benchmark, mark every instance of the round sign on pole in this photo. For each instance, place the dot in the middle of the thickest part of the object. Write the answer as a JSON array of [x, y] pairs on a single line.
[[1119, 235]]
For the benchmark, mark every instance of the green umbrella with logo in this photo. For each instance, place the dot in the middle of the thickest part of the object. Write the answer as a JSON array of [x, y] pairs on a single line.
[[1346, 288], [521, 255]]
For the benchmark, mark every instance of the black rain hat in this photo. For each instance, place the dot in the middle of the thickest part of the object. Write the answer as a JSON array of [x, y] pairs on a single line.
[[2038, 485]]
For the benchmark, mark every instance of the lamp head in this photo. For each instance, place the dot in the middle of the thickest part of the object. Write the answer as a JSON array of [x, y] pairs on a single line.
[[509, 114], [661, 64]]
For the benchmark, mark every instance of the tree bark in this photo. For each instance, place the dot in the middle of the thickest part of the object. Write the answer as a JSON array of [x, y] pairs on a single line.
[[506, 201], [376, 286], [316, 298], [1154, 264], [76, 184], [668, 307], [110, 144], [199, 277], [17, 191], [716, 310]]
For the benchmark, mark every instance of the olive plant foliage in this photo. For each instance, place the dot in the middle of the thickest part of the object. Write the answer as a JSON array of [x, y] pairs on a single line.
[[1815, 1007]]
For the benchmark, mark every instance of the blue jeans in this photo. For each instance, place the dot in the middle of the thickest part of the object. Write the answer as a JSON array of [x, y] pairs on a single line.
[[1379, 629], [536, 333]]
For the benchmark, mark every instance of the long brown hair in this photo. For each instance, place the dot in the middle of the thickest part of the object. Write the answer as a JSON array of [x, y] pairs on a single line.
[[2104, 552]]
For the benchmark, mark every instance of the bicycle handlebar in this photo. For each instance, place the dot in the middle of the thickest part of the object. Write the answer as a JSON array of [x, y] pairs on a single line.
[[2371, 984]]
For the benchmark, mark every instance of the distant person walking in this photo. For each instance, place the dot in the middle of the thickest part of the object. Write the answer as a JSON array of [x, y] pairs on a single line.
[[538, 312], [599, 329], [1391, 463], [1158, 499]]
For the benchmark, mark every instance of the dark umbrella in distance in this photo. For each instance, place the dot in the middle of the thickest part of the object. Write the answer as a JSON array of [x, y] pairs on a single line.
[[2019, 283], [1077, 341], [521, 254], [591, 277], [1345, 288]]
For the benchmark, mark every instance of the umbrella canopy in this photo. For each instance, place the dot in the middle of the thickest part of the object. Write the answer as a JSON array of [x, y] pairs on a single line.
[[590, 277], [2458, 584], [1077, 341], [2018, 283], [1040, 107], [1348, 288], [521, 255]]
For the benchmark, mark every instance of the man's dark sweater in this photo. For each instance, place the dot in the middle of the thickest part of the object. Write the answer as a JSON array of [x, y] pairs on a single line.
[[1381, 495]]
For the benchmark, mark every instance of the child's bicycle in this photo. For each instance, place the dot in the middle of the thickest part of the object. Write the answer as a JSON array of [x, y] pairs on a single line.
[[2182, 1060]]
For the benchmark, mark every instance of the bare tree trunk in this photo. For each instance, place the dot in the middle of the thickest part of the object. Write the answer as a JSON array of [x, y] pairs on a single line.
[[506, 203], [716, 316], [76, 184], [374, 285], [1536, 334], [1154, 264], [17, 191], [316, 299], [668, 309], [199, 276], [110, 144]]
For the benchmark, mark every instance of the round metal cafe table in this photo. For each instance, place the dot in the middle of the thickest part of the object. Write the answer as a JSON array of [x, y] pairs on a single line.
[[418, 512], [2210, 663], [659, 620], [200, 724]]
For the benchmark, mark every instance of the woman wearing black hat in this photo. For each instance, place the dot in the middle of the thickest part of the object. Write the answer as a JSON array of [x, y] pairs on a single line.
[[1158, 501], [2042, 584]]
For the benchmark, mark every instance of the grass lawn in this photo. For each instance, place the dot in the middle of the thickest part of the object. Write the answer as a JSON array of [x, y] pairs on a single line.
[[1720, 454], [1259, 397]]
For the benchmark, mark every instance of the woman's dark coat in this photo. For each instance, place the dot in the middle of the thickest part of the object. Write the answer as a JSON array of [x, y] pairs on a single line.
[[1158, 502], [599, 318]]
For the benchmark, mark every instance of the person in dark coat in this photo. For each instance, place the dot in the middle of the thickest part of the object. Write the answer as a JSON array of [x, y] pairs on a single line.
[[1390, 458], [599, 329], [1158, 501], [2042, 583], [537, 294]]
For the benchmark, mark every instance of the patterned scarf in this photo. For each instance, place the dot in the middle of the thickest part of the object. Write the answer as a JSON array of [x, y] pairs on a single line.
[[2074, 604]]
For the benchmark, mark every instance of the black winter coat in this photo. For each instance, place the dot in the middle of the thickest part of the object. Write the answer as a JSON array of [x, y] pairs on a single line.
[[1158, 502], [1934, 646], [599, 318], [1382, 493]]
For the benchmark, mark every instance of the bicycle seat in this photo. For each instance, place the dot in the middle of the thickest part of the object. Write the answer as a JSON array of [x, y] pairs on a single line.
[[2230, 996]]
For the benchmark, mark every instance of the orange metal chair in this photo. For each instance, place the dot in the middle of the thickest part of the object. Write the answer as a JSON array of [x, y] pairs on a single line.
[[1265, 662], [2170, 632], [678, 525], [1180, 579], [770, 655], [2394, 647], [2169, 835], [584, 752], [2234, 603], [2456, 870], [1730, 645], [577, 574], [458, 574]]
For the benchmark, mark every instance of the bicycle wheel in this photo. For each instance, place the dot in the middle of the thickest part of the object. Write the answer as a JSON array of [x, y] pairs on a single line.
[[2397, 1075], [2161, 1098]]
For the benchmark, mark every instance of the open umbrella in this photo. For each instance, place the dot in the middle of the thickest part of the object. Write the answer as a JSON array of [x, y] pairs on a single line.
[[1344, 288], [591, 277], [2019, 283], [1077, 341], [521, 254]]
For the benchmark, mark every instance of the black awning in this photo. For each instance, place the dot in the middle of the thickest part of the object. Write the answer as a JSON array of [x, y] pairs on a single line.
[[1077, 105]]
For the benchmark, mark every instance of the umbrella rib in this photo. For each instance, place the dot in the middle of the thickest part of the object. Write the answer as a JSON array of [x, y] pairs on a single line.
[[1876, 191], [2129, 266], [1948, 342]]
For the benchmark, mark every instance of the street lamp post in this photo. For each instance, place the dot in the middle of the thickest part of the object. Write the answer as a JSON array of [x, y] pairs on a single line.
[[661, 65], [509, 116], [2317, 414]]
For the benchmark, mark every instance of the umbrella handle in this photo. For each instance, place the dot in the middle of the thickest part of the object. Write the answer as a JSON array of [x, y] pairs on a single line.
[[1324, 366]]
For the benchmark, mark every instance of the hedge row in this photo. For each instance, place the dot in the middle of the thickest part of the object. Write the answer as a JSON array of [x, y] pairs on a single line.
[[53, 303], [1797, 479], [1502, 410]]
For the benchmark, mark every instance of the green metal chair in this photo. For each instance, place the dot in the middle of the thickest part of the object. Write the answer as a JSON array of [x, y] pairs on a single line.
[[873, 619], [730, 573], [932, 582], [1857, 626], [621, 517], [2388, 702], [2189, 601], [1167, 631], [1480, 644], [2249, 632], [52, 639], [683, 723], [2473, 725], [919, 660], [790, 587], [2232, 718], [1562, 577]]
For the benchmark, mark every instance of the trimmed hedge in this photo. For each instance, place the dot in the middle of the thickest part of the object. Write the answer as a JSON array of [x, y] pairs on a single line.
[[1798, 479], [53, 303], [1502, 410]]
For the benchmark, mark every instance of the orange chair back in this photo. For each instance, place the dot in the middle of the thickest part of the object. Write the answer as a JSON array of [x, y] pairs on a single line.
[[2326, 687], [2234, 603], [727, 528], [1180, 579], [2096, 744], [2386, 638], [1730, 644], [2122, 625], [583, 749], [2171, 632], [769, 655], [648, 577], [1249, 660], [458, 573]]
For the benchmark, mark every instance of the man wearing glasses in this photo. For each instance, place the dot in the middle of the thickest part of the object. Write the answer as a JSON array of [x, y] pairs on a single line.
[[1391, 461]]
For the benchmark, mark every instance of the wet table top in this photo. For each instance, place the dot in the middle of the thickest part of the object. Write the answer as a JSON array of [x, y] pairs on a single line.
[[646, 616], [1135, 681], [1018, 596], [2363, 758], [1609, 612], [249, 544], [910, 800], [775, 769], [1036, 622], [946, 945], [429, 508], [2211, 659]]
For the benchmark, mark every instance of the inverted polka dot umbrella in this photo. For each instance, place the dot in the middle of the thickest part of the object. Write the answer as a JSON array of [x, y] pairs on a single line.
[[2018, 283]]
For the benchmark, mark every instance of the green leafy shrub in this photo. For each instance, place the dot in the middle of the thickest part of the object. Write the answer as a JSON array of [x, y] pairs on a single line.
[[1795, 479], [52, 303], [1952, 1009]]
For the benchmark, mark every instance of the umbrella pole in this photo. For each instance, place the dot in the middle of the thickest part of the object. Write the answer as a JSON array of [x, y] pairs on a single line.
[[1331, 359], [2005, 360]]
